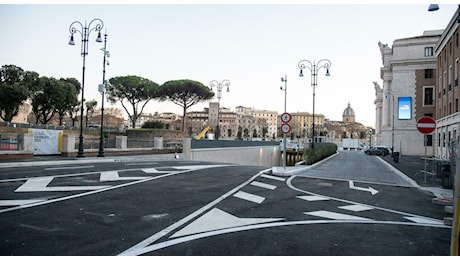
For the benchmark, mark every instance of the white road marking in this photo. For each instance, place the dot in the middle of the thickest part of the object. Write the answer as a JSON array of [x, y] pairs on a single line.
[[217, 219], [273, 177], [249, 197], [334, 215], [424, 220], [114, 176], [356, 208], [263, 185], [41, 183], [68, 168], [312, 198], [144, 245], [18, 202], [351, 185], [150, 248]]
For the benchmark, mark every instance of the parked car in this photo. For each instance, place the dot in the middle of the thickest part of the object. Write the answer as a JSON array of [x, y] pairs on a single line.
[[377, 150]]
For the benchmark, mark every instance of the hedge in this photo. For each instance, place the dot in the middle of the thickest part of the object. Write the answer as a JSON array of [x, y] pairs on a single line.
[[320, 152]]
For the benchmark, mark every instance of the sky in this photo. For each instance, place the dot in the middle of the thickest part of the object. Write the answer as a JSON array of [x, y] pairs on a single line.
[[251, 44]]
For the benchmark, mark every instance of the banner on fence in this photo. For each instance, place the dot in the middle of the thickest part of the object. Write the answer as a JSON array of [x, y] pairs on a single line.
[[47, 141]]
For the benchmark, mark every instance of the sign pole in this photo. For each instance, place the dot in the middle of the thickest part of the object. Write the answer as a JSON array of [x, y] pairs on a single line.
[[425, 141]]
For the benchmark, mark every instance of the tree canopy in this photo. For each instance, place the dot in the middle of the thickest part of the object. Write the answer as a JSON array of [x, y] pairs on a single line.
[[15, 87], [51, 96], [134, 90], [184, 93]]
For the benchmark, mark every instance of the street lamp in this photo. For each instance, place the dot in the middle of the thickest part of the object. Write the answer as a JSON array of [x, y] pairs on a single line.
[[219, 85], [284, 134], [102, 90], [314, 68], [84, 31]]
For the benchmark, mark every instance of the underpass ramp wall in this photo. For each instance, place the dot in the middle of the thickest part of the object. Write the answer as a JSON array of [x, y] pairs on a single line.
[[257, 153]]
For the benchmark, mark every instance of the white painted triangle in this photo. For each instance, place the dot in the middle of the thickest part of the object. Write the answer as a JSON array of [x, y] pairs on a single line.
[[41, 183], [217, 219], [114, 176], [4, 203]]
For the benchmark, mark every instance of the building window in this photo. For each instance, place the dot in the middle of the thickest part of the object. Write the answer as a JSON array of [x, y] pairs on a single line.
[[456, 105], [428, 73], [449, 78], [428, 51], [444, 83], [428, 96], [456, 73]]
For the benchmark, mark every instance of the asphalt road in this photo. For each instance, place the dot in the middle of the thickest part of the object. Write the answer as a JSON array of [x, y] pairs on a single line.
[[351, 204]]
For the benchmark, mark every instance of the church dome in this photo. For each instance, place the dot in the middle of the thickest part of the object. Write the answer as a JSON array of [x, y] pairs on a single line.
[[348, 111]]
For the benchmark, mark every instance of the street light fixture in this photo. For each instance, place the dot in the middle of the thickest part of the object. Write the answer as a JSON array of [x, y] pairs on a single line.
[[284, 134], [84, 31], [219, 85], [102, 90], [314, 68]]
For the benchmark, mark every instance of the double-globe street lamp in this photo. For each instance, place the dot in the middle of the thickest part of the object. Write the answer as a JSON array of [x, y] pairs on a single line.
[[219, 86], [314, 68], [102, 91], [84, 31]]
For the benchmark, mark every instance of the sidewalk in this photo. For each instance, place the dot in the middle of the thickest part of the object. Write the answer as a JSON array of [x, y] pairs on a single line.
[[413, 166]]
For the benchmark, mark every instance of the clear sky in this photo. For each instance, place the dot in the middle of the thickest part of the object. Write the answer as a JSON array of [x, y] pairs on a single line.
[[252, 45]]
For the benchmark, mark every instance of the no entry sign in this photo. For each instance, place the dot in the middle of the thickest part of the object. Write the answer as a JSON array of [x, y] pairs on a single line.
[[426, 125]]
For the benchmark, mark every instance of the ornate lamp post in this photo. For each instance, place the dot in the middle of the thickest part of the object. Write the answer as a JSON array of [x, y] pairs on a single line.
[[84, 31], [219, 85], [314, 68], [102, 90]]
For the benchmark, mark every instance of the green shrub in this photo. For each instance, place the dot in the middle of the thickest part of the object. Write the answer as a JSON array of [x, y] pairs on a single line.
[[320, 152]]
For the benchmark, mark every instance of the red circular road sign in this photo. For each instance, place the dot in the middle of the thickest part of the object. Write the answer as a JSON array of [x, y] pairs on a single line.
[[426, 125], [286, 117], [285, 128]]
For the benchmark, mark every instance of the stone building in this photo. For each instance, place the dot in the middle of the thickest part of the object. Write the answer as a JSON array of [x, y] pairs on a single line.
[[407, 93]]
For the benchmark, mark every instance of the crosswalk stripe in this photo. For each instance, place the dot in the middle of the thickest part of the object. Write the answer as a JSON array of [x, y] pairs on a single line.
[[424, 220], [334, 215], [356, 208], [312, 198], [249, 197], [272, 177], [263, 185]]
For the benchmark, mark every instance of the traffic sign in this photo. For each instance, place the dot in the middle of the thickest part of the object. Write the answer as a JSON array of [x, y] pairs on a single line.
[[286, 117], [285, 128], [426, 125]]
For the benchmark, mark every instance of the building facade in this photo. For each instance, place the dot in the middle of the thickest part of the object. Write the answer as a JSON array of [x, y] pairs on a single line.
[[407, 93], [447, 93], [269, 123]]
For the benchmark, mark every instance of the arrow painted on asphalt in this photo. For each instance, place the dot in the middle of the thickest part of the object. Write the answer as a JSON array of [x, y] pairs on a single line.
[[370, 189], [41, 183]]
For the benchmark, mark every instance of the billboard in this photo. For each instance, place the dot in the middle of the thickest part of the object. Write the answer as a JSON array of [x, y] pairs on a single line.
[[47, 141], [404, 108]]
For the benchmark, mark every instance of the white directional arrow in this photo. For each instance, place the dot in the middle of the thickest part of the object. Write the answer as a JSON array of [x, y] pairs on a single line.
[[370, 189], [41, 183]]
